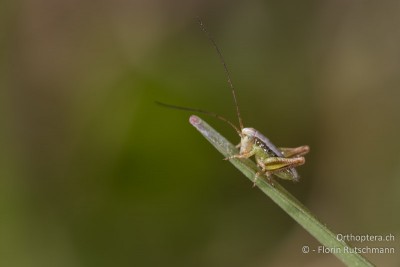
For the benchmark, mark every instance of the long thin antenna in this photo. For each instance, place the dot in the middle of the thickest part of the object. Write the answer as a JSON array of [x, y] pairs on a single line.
[[202, 111], [221, 58]]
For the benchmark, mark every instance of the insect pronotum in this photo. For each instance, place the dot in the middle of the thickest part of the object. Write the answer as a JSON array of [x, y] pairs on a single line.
[[271, 160]]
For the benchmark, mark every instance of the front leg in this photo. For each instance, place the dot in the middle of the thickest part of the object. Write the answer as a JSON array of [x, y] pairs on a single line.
[[243, 155]]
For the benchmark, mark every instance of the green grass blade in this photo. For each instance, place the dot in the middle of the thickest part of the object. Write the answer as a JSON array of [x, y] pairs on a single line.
[[281, 197]]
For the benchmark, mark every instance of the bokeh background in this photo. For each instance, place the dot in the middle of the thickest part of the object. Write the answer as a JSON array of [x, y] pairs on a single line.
[[93, 173]]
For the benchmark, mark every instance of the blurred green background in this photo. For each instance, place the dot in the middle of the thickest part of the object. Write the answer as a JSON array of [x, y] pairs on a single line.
[[93, 173]]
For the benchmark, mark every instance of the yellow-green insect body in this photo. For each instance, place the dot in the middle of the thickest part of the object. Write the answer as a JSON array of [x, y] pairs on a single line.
[[272, 160]]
